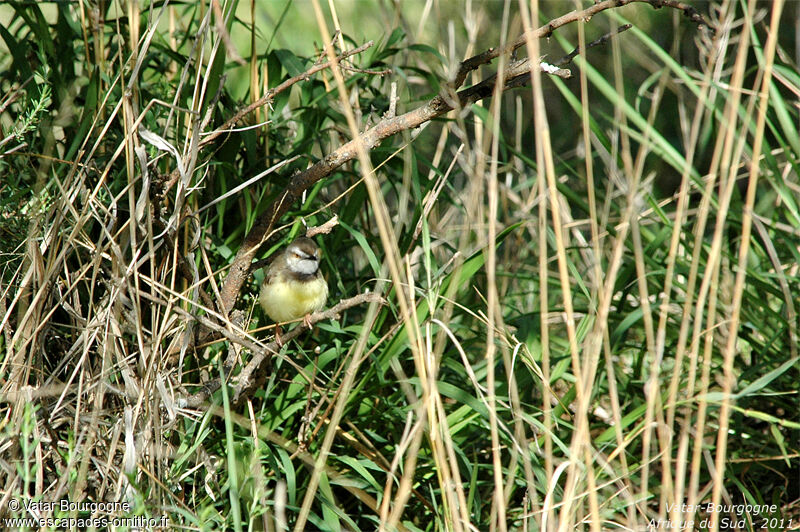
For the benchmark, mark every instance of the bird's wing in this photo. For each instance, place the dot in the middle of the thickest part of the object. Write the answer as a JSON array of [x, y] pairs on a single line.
[[273, 272]]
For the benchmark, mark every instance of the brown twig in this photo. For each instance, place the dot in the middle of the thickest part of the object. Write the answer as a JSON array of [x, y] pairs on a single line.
[[13, 95], [240, 268], [219, 24], [468, 65], [597, 42], [248, 376], [514, 76], [365, 71], [323, 229], [169, 182]]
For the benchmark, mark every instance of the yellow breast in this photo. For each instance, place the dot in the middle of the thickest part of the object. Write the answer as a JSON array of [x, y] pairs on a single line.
[[287, 299]]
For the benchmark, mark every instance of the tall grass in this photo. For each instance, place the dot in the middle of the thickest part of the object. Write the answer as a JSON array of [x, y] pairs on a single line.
[[590, 285]]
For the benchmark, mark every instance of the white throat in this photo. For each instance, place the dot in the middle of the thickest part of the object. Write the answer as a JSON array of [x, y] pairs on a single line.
[[303, 266]]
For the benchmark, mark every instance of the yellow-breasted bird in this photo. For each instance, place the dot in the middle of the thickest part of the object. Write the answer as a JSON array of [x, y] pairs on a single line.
[[293, 286]]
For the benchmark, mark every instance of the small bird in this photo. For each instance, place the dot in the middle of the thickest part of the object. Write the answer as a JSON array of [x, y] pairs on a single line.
[[293, 286]]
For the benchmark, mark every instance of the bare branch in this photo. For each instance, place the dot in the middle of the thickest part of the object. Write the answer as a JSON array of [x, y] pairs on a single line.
[[324, 229], [514, 76], [468, 65], [597, 42]]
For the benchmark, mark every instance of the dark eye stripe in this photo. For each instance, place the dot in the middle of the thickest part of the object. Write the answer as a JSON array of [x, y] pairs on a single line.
[[303, 256]]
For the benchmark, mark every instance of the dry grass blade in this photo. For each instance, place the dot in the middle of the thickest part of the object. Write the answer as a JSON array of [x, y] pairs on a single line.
[[566, 306]]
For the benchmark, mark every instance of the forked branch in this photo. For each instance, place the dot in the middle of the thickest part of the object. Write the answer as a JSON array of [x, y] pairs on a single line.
[[515, 75]]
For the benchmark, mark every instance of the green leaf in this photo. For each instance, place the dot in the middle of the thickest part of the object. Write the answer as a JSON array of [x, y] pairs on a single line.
[[764, 380], [293, 64], [428, 49], [359, 468]]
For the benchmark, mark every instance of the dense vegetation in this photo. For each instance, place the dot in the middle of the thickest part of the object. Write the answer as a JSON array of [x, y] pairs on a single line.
[[587, 286]]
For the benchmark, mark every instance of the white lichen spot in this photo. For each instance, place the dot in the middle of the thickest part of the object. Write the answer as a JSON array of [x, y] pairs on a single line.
[[547, 67]]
